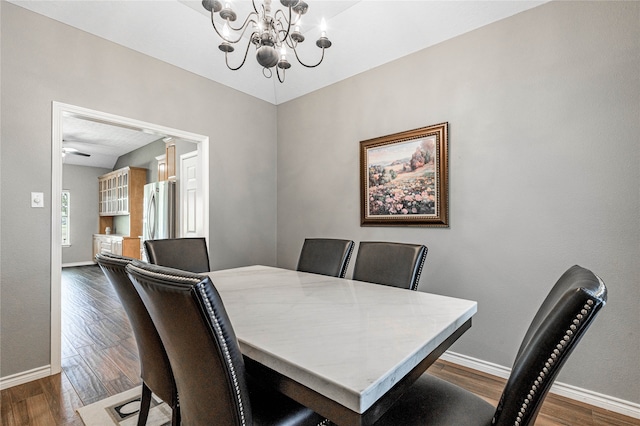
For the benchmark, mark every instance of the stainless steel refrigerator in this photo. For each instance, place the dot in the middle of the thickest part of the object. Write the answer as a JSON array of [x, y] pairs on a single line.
[[159, 214]]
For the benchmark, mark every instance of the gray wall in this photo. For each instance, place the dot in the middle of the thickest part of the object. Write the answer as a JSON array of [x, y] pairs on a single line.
[[183, 147], [45, 61], [144, 157], [543, 111], [82, 182]]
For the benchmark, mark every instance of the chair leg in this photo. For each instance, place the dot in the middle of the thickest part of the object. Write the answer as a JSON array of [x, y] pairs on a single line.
[[175, 415], [145, 404]]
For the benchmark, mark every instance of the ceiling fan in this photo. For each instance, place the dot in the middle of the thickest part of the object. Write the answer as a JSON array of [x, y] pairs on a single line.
[[73, 151]]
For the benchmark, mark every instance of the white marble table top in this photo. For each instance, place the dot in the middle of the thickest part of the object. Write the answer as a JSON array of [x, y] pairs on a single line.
[[348, 340]]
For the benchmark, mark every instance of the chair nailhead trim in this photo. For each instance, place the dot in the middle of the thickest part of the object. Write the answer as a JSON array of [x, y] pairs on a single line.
[[167, 276], [344, 272], [414, 284], [198, 285], [225, 349], [550, 362]]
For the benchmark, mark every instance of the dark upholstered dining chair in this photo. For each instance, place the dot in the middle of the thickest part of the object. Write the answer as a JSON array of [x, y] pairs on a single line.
[[393, 264], [562, 319], [208, 366], [325, 256], [156, 373], [188, 254]]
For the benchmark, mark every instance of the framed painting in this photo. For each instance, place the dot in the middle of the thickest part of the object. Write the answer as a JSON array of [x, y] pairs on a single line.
[[404, 178]]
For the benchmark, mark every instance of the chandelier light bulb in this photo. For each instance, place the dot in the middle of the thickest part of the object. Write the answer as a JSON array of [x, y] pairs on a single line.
[[296, 35], [323, 42], [227, 13], [225, 46], [283, 64]]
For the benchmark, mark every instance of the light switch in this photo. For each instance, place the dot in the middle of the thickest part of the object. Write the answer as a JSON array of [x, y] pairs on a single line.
[[37, 199]]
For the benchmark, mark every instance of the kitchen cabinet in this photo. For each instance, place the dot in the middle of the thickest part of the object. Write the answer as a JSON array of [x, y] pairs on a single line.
[[118, 190], [116, 244], [170, 154], [121, 193], [167, 163]]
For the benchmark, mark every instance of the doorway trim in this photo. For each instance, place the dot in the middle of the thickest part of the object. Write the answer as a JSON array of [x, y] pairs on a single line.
[[59, 111]]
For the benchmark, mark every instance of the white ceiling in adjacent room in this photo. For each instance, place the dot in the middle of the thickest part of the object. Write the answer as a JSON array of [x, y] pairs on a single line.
[[103, 143]]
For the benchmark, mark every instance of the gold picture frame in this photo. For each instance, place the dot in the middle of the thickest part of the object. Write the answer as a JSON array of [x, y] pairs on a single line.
[[404, 178]]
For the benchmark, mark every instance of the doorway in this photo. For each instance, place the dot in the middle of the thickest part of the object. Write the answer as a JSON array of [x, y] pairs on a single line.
[[60, 112], [190, 196]]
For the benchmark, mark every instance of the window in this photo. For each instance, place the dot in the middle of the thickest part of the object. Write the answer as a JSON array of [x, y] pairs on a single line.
[[65, 218]]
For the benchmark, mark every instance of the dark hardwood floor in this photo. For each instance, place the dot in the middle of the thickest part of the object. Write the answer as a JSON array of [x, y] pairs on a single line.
[[99, 356], [100, 359]]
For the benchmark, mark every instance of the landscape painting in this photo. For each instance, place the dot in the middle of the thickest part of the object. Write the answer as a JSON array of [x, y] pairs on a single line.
[[404, 178]]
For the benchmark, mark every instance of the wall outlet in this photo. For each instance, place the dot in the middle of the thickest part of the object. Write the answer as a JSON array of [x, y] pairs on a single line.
[[37, 199]]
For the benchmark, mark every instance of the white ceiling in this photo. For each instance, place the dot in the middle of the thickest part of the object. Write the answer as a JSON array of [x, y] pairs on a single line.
[[103, 142], [365, 34]]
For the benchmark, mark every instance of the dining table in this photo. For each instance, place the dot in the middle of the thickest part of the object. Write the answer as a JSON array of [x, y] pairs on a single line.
[[346, 349]]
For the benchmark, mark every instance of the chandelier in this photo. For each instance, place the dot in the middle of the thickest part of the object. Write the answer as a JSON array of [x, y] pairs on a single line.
[[272, 33]]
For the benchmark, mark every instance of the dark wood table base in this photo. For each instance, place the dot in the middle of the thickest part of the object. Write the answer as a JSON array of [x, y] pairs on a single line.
[[336, 412]]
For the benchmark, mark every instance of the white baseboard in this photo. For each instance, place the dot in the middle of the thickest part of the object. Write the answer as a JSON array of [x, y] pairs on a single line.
[[606, 402], [87, 263], [25, 377]]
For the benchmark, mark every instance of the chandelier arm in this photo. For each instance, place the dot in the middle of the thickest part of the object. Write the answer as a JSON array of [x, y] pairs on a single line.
[[290, 43], [288, 21], [253, 2], [244, 27], [226, 58], [305, 65], [281, 80], [244, 30]]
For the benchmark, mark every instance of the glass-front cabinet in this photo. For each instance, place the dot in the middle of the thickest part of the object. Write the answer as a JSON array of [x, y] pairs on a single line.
[[120, 202], [114, 192]]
